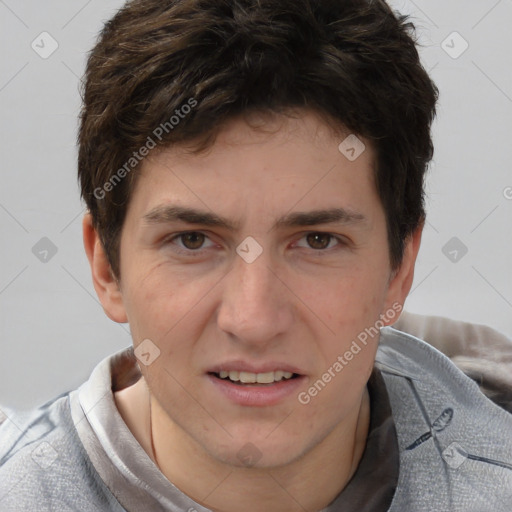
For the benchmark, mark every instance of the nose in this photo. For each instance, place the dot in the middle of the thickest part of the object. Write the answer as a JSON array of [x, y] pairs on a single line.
[[256, 305]]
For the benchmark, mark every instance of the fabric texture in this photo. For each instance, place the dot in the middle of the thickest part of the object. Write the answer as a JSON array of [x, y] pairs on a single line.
[[454, 444], [481, 352]]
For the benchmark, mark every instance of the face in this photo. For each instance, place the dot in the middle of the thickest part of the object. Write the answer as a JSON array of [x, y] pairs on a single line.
[[266, 254]]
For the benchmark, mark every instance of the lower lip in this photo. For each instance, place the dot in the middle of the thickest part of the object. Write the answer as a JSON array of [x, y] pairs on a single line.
[[257, 395]]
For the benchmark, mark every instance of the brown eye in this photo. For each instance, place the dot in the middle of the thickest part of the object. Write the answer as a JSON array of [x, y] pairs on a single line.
[[192, 241], [319, 240]]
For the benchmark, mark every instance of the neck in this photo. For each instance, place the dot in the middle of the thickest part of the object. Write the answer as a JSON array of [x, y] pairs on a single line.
[[310, 482]]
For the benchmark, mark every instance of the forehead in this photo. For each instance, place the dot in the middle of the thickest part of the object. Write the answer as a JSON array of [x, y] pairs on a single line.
[[274, 164]]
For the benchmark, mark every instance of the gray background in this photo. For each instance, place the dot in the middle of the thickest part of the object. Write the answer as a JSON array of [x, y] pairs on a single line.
[[53, 330]]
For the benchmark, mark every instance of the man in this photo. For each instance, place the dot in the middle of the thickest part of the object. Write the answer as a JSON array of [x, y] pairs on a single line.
[[253, 172]]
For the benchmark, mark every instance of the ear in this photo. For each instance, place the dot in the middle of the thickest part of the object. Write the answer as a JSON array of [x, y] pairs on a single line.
[[401, 279], [106, 285]]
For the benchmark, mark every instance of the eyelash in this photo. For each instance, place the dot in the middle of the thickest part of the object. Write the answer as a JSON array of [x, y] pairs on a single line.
[[184, 250], [199, 252]]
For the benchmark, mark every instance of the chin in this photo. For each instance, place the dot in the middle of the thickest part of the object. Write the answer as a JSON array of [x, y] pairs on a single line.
[[257, 452]]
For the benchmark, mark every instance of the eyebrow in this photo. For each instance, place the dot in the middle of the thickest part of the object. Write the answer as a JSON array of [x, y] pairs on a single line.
[[167, 214]]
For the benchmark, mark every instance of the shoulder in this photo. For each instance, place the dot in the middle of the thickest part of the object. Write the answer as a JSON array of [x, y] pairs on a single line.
[[482, 353], [455, 444], [43, 465]]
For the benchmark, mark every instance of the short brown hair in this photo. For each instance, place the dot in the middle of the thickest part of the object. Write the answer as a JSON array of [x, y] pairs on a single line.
[[353, 61]]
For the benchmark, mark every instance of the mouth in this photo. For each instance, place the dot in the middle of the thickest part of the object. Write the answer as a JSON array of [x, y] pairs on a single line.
[[264, 388], [242, 378]]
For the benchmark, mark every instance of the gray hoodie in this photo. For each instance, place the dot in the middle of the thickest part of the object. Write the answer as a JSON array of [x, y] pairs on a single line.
[[454, 445]]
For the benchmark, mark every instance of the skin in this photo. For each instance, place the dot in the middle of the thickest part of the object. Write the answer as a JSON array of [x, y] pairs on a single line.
[[302, 301]]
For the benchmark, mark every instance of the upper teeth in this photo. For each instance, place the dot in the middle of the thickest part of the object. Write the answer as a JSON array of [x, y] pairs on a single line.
[[260, 378]]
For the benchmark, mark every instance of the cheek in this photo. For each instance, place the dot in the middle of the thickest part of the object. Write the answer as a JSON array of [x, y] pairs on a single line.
[[171, 311], [349, 308], [158, 299], [347, 303]]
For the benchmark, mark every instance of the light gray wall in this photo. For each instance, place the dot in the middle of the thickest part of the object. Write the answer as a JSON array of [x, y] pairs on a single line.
[[52, 328]]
